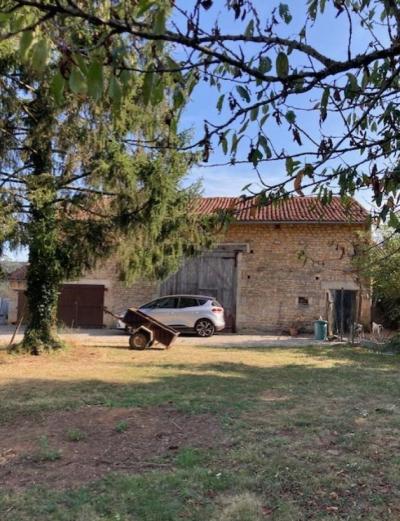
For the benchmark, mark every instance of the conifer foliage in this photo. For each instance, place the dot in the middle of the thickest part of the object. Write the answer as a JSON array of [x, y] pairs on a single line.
[[74, 186]]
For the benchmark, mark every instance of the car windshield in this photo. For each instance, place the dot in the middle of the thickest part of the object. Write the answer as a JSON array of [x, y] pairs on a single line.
[[161, 303]]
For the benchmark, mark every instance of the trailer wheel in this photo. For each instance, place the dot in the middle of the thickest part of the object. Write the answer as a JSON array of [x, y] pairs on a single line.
[[138, 341]]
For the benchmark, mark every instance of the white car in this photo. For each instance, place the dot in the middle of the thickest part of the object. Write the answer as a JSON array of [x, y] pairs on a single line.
[[192, 313]]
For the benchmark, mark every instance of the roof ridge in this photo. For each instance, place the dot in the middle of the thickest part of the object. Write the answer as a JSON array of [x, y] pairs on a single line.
[[296, 209]]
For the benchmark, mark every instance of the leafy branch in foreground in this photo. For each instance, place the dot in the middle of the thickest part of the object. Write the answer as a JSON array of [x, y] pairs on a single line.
[[330, 121]]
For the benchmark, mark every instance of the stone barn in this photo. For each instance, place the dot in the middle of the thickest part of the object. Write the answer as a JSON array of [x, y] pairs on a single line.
[[276, 268]]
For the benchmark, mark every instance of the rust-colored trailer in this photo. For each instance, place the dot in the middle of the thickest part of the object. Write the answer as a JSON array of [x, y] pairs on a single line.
[[145, 331]]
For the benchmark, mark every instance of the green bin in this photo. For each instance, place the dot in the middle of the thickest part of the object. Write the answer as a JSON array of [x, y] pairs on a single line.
[[320, 329]]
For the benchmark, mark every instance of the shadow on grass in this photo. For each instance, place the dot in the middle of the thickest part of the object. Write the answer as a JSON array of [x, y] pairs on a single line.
[[220, 388]]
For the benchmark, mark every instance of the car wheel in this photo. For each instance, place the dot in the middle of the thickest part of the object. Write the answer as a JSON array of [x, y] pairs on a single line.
[[204, 327], [138, 341]]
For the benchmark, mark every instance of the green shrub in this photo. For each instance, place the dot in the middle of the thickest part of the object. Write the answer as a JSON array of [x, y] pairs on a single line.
[[121, 426]]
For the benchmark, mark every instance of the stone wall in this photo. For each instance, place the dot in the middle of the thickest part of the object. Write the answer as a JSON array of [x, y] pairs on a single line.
[[283, 279], [285, 276]]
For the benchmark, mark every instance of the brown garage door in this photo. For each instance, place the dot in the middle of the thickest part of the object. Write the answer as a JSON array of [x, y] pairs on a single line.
[[81, 305]]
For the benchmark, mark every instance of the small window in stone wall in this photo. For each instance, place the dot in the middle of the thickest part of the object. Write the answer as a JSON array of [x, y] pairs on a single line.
[[302, 301]]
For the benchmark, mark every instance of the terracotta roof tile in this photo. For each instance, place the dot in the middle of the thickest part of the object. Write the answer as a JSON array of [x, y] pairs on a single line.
[[294, 210]]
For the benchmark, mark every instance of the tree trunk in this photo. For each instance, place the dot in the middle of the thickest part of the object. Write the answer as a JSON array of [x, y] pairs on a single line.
[[44, 273], [43, 281]]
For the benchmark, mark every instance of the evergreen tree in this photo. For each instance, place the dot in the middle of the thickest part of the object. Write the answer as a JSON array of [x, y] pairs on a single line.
[[74, 188]]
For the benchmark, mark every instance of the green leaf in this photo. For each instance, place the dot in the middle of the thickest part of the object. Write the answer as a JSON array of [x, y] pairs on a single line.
[[124, 78], [263, 142], [115, 90], [254, 113], [284, 13], [243, 93], [95, 81], [324, 104], [249, 31], [224, 143], [282, 65], [254, 156], [365, 79], [352, 88], [143, 6], [157, 93], [244, 126], [235, 143], [179, 98], [148, 83], [159, 21], [308, 170], [25, 43], [291, 165], [312, 9], [77, 82], [191, 80], [40, 54], [57, 86], [81, 62], [265, 65], [220, 102], [263, 120], [290, 116]]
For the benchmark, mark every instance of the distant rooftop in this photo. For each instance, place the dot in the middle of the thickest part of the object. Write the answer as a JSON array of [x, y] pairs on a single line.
[[294, 210], [19, 273]]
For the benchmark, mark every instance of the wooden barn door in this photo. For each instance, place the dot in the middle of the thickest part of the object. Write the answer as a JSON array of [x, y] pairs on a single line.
[[81, 305], [212, 274]]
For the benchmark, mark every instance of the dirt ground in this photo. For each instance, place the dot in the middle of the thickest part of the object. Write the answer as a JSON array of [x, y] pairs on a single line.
[[70, 448], [117, 338]]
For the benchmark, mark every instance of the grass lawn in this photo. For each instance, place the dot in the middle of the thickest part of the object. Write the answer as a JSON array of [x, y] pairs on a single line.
[[251, 434]]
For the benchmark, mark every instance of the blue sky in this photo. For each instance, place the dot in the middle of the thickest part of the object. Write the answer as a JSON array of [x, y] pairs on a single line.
[[329, 36]]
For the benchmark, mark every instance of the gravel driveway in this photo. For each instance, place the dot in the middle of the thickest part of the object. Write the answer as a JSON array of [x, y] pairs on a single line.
[[112, 337]]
